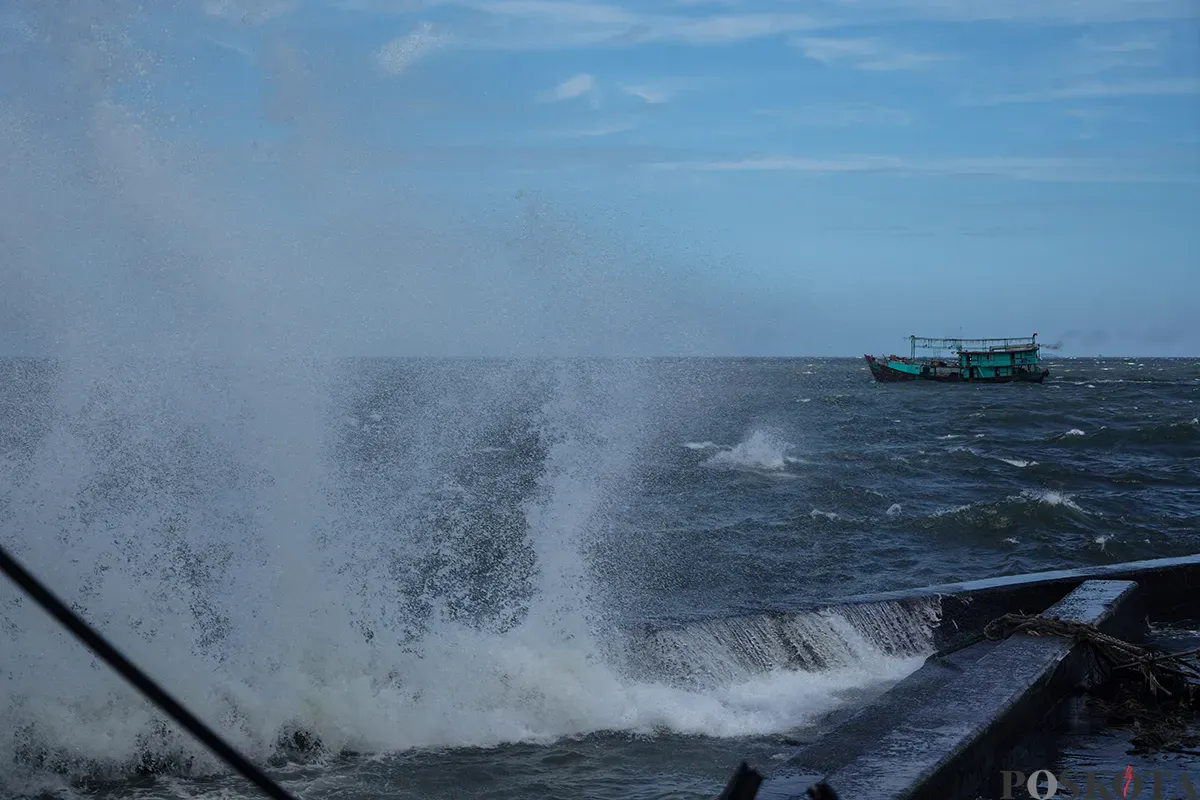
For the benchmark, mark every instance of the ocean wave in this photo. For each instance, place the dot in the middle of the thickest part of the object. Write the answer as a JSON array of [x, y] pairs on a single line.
[[1020, 463], [1040, 507], [724, 678], [760, 451], [1182, 432]]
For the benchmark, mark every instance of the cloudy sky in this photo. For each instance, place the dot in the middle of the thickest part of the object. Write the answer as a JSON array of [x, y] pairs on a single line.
[[547, 176]]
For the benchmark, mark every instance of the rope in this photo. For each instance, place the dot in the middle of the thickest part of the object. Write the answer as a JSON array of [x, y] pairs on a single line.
[[1154, 667], [1162, 718], [98, 645]]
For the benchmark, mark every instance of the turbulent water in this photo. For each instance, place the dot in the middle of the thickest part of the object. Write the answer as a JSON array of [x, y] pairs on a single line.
[[579, 579]]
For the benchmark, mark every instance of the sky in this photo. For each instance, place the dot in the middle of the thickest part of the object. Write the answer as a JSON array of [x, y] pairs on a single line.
[[699, 177]]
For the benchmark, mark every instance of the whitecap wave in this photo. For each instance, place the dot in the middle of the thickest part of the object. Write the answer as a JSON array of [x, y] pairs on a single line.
[[761, 450]]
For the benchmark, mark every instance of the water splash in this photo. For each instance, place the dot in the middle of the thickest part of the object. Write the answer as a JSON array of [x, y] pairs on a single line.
[[218, 550], [198, 479], [761, 450], [383, 592]]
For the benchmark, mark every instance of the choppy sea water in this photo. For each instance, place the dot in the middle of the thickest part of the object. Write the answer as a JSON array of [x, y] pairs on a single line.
[[515, 579]]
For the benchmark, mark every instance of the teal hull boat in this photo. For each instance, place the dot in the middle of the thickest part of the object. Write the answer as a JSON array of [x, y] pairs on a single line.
[[969, 361]]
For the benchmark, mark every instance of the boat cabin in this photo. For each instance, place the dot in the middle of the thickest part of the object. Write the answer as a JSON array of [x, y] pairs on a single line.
[[979, 358]]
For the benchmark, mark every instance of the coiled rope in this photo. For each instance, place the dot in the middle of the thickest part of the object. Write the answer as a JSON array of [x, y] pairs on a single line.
[[1161, 707], [1182, 669]]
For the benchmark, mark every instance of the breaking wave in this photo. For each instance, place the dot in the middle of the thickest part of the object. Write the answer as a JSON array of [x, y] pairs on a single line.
[[1036, 507], [761, 450], [1020, 463], [1183, 433], [320, 563]]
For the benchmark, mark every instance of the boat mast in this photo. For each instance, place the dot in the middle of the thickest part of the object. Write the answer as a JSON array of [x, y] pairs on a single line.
[[912, 347]]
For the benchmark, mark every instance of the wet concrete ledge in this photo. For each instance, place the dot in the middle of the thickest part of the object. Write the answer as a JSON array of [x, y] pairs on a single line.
[[938, 734], [1159, 578], [1167, 587]]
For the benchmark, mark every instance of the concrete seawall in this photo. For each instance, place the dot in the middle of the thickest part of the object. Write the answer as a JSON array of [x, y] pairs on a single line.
[[942, 732], [1168, 587]]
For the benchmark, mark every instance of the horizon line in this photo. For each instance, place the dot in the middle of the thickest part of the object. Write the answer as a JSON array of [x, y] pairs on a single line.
[[528, 357]]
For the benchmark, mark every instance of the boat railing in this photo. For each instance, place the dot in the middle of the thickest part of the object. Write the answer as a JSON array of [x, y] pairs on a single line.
[[955, 345]]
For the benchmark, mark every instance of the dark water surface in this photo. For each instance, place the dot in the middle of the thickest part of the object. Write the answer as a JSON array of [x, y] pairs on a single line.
[[530, 579]]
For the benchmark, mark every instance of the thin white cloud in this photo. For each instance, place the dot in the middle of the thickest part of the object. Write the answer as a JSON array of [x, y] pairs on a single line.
[[568, 12], [791, 164], [592, 133], [400, 53], [542, 24], [241, 48], [380, 6], [731, 28], [864, 53], [830, 50], [1137, 44], [1082, 91], [832, 13], [1097, 114], [1046, 12], [843, 115], [1048, 169], [654, 95], [571, 88], [556, 24], [248, 12], [1092, 54], [660, 91]]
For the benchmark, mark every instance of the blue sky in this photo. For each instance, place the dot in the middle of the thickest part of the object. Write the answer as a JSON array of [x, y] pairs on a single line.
[[734, 176]]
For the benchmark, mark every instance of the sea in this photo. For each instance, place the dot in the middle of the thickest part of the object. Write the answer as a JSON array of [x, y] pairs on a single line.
[[590, 578]]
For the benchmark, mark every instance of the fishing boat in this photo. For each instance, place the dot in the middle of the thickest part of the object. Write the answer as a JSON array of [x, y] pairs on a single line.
[[1010, 360]]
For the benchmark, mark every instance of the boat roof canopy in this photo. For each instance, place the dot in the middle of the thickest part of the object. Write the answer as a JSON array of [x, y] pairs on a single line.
[[975, 345]]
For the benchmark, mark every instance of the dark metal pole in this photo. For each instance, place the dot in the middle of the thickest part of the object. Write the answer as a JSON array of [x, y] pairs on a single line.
[[98, 645]]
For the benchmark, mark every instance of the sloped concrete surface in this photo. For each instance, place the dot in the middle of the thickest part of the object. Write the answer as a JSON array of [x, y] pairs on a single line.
[[940, 733]]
